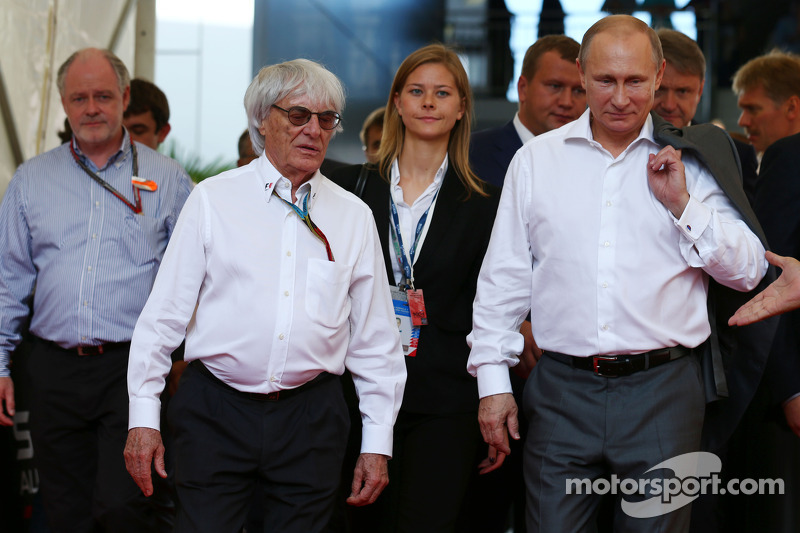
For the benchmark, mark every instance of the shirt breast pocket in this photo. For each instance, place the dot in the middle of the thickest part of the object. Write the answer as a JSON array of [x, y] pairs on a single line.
[[327, 288], [146, 239]]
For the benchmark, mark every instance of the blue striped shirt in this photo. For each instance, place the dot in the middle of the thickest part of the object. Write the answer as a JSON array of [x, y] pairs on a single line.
[[91, 260]]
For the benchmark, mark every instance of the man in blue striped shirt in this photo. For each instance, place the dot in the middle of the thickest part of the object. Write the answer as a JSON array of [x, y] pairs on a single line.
[[86, 224]]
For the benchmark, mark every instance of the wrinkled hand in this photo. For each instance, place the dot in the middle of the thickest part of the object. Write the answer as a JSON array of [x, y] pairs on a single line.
[[530, 352], [792, 412], [143, 448], [370, 477], [780, 296], [497, 416], [6, 402], [667, 178]]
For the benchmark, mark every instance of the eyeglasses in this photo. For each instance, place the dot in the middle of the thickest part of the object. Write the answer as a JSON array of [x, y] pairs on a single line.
[[300, 116]]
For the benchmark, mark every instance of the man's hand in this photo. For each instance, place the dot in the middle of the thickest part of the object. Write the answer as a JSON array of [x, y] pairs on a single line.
[[667, 178], [144, 447], [6, 402], [495, 413], [370, 477], [792, 412], [530, 352], [780, 296]]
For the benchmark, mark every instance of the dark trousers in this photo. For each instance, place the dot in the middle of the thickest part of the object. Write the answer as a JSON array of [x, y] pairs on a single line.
[[226, 444], [79, 425], [432, 460], [584, 426]]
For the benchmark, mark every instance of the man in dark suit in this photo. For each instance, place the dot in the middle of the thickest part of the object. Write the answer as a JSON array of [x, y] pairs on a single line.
[[768, 90], [550, 95], [677, 99]]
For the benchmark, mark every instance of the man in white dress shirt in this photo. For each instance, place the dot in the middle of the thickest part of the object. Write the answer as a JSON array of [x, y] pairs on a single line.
[[609, 241], [275, 276]]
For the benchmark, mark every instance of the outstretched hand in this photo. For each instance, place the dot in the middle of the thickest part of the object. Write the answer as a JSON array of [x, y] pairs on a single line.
[[780, 296]]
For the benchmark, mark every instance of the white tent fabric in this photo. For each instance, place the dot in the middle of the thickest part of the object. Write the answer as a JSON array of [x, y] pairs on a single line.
[[36, 36]]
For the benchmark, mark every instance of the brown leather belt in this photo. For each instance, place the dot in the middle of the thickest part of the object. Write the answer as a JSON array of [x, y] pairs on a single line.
[[612, 366], [91, 349], [263, 397]]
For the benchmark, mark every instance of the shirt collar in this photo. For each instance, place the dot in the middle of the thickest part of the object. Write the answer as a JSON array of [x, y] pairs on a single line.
[[524, 133], [437, 179], [271, 178], [117, 157]]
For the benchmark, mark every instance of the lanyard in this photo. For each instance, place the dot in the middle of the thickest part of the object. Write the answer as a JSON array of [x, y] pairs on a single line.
[[407, 263], [306, 217], [135, 208]]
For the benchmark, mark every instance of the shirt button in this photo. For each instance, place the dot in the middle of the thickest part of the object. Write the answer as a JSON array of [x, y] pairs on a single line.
[[273, 379], [85, 303], [90, 269], [288, 254], [605, 327], [604, 285], [97, 204], [606, 244], [83, 338], [608, 203], [281, 336], [286, 293], [94, 235]]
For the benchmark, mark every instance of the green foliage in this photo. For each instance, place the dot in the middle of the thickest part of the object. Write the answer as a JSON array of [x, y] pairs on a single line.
[[197, 169]]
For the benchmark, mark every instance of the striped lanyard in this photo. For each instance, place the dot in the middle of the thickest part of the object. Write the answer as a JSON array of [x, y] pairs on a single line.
[[407, 262], [306, 217], [136, 194]]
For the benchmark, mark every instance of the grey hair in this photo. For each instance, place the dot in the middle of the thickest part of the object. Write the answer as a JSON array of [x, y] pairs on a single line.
[[121, 71], [299, 77]]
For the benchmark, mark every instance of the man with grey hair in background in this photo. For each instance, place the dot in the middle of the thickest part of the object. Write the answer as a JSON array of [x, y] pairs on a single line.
[[275, 276], [86, 224]]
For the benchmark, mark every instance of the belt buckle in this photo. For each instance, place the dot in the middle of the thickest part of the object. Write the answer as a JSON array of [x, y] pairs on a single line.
[[273, 396], [84, 350], [597, 365]]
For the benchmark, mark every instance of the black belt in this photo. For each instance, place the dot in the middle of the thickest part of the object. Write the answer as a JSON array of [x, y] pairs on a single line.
[[612, 366], [90, 349], [322, 377]]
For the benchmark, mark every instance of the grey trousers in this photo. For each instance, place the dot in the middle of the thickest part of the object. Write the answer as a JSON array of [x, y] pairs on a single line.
[[584, 426]]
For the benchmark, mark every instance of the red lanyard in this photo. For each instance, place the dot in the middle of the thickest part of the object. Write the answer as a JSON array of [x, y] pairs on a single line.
[[306, 217], [137, 195]]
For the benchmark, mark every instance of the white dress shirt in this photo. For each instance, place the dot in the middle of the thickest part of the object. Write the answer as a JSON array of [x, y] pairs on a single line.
[[262, 306], [581, 241], [409, 215], [524, 133]]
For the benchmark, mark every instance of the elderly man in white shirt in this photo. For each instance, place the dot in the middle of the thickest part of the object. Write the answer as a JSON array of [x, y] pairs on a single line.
[[275, 277], [609, 241]]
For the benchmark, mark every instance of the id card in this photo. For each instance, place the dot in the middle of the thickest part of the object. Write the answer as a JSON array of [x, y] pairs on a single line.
[[416, 304], [409, 334]]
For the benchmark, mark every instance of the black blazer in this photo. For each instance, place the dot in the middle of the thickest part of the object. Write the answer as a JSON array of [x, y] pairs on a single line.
[[777, 205], [447, 272], [491, 151]]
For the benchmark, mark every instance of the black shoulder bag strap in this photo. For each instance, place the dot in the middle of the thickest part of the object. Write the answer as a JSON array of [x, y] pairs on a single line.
[[361, 182]]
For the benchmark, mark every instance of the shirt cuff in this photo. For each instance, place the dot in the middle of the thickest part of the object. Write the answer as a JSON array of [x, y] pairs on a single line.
[[694, 220], [377, 439], [144, 413], [493, 379]]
